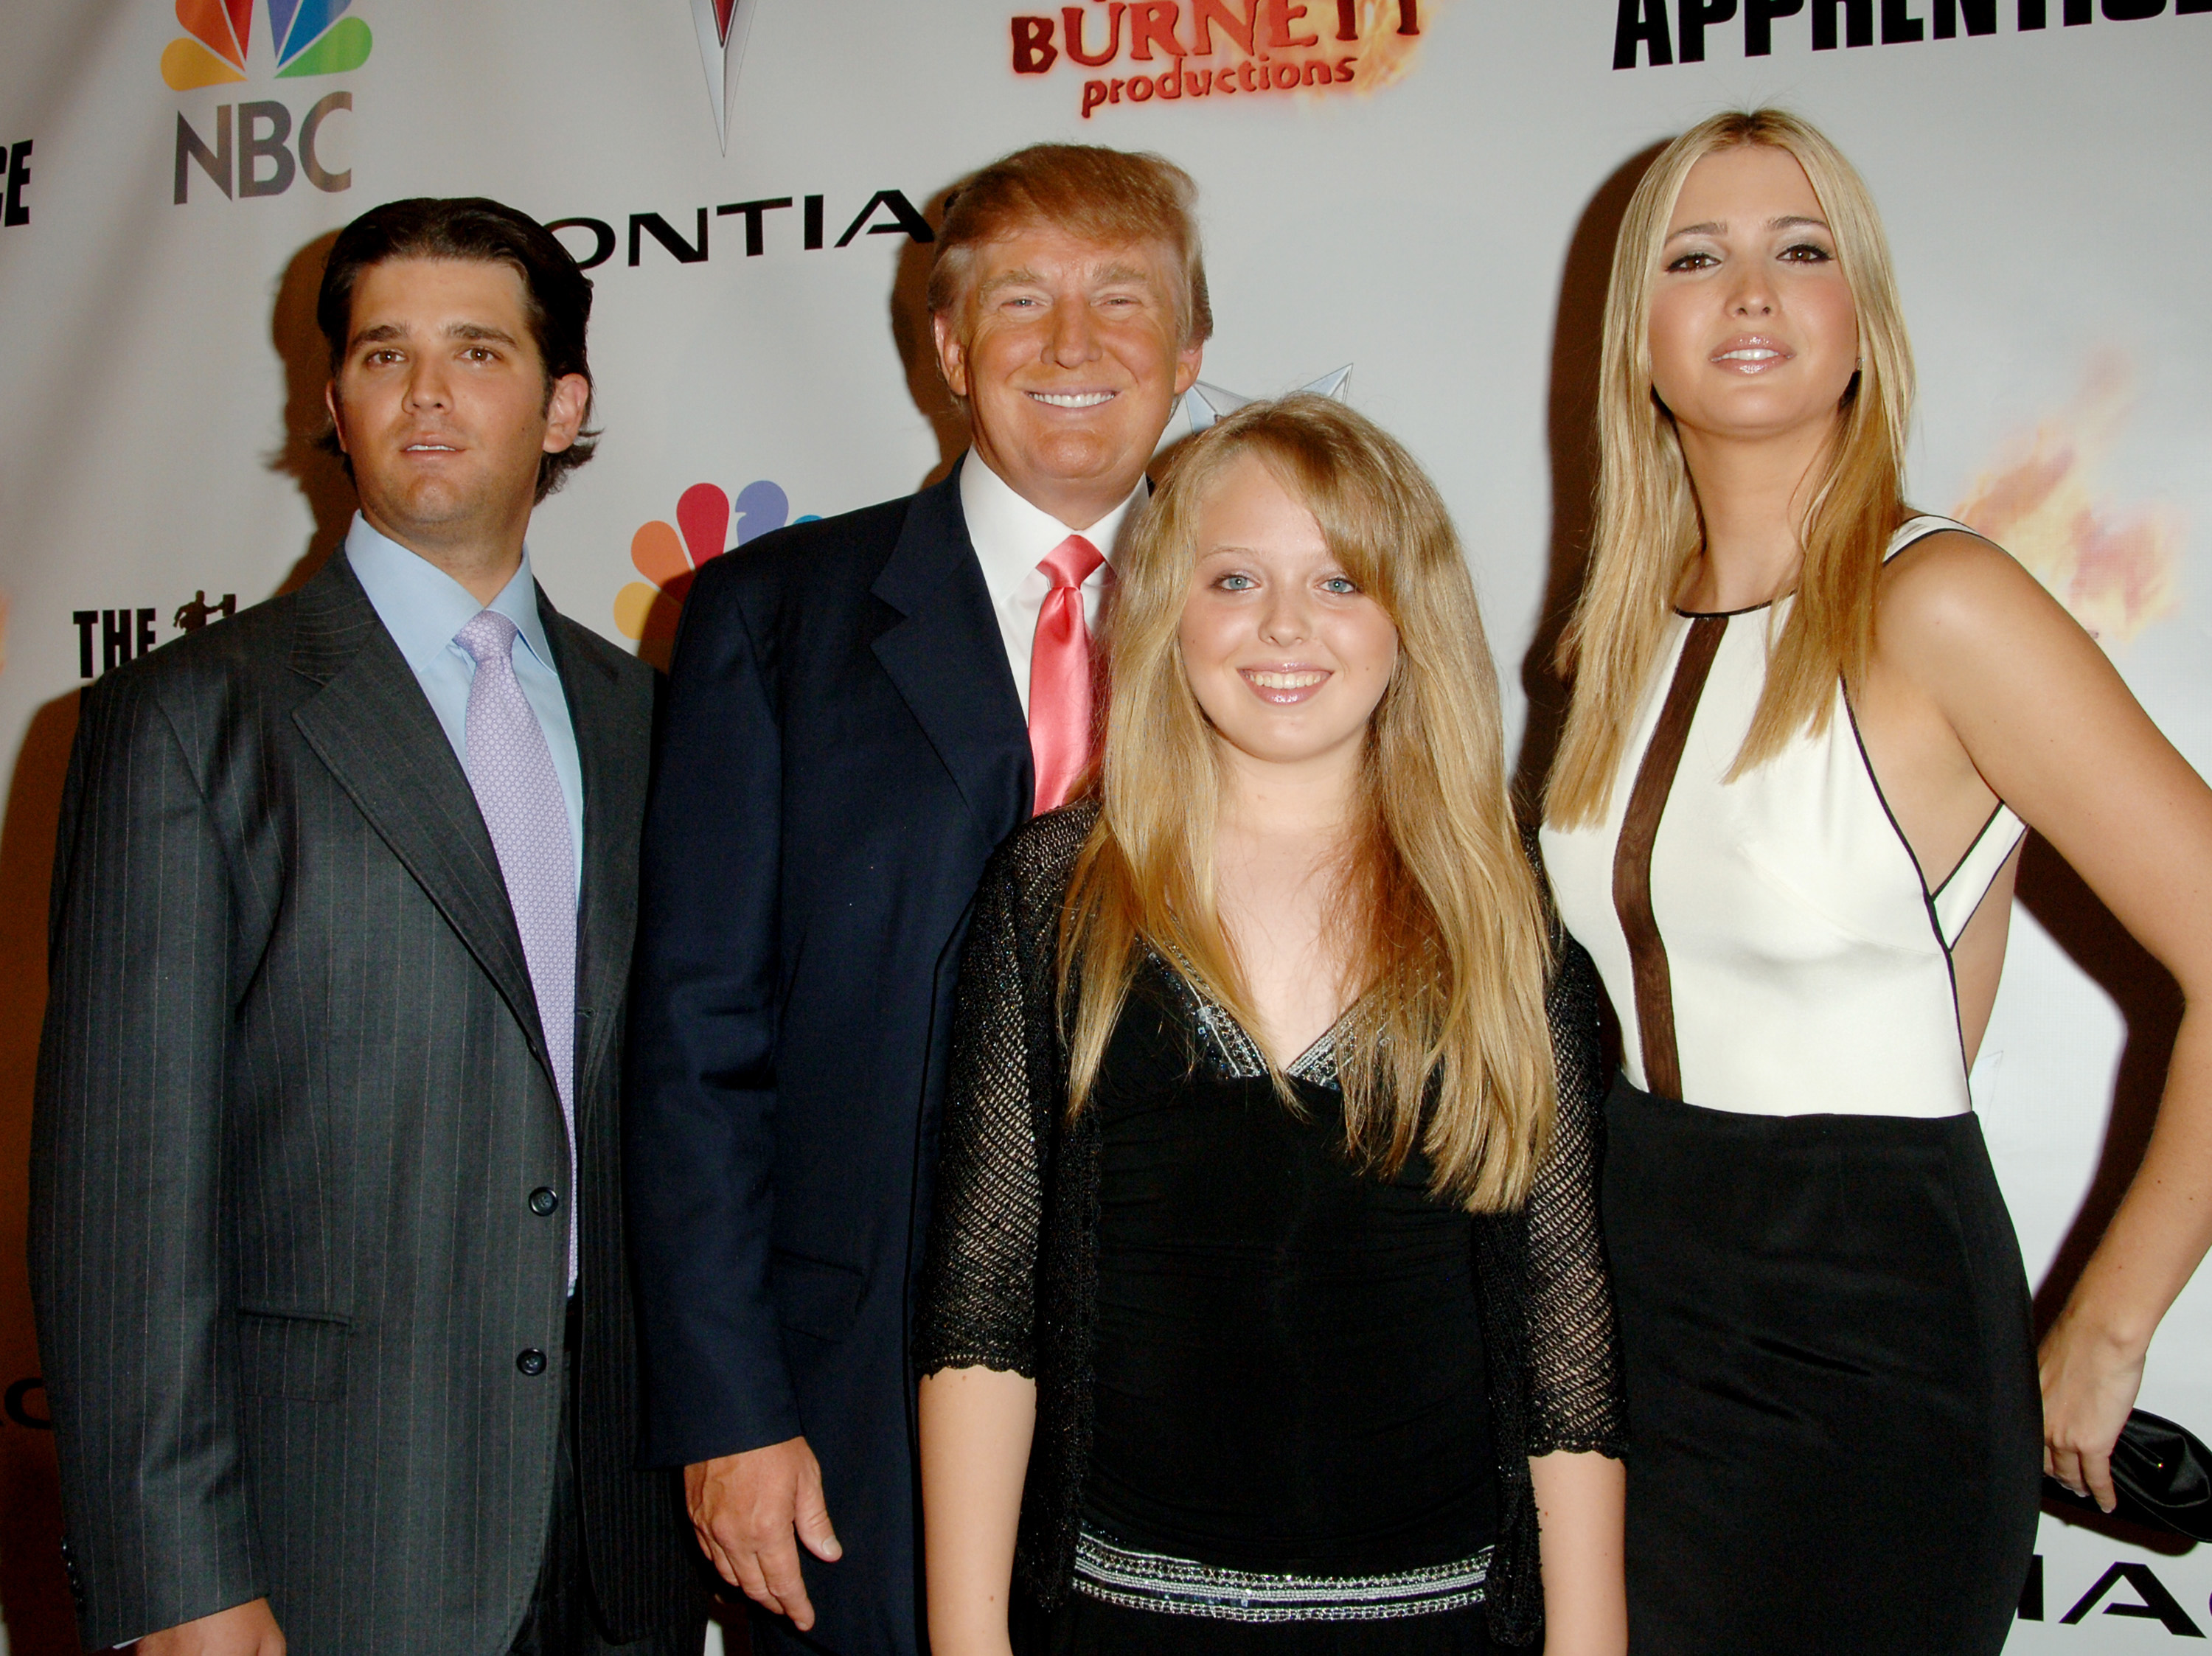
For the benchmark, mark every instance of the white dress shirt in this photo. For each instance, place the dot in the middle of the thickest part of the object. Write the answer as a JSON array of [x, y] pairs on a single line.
[[1012, 537]]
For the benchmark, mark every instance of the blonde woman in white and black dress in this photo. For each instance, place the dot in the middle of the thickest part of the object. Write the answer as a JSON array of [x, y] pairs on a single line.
[[1265, 1310], [1807, 726]]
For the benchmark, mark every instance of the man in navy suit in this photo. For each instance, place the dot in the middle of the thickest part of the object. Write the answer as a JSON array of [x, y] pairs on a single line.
[[861, 710]]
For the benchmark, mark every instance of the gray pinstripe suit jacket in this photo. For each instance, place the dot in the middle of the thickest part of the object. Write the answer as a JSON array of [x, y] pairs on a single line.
[[293, 1100]]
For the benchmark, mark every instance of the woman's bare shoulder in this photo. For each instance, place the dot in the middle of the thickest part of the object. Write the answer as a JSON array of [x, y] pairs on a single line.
[[1953, 595]]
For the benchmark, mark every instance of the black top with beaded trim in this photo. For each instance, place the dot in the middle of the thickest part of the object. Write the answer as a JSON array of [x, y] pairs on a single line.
[[1010, 1280]]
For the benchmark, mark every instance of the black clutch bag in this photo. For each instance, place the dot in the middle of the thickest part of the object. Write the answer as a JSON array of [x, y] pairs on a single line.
[[2162, 1475]]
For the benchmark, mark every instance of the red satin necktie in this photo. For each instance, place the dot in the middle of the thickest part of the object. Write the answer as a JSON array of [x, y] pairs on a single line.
[[1060, 674]]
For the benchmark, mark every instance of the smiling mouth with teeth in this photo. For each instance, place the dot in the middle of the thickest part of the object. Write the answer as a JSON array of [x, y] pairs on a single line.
[[1268, 680], [1074, 399], [1750, 353]]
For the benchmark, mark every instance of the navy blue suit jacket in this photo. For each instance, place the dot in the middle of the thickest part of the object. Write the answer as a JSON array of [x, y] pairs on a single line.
[[842, 747]]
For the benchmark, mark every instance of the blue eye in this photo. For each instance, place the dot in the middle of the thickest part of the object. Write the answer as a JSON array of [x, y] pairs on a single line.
[[1344, 585], [1235, 583]]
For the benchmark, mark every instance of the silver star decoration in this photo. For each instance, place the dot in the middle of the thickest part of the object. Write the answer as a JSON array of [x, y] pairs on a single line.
[[1203, 403]]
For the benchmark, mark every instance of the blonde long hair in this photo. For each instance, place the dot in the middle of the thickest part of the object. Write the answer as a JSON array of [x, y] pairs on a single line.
[[1648, 526], [1449, 1049]]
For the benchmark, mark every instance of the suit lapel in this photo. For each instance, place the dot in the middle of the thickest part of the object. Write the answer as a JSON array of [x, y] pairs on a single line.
[[375, 731], [611, 745], [946, 658]]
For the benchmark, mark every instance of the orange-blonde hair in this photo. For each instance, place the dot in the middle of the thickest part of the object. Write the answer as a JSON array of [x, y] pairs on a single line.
[[1111, 197]]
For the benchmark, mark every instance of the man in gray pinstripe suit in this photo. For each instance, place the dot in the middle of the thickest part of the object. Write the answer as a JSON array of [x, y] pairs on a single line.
[[326, 1244]]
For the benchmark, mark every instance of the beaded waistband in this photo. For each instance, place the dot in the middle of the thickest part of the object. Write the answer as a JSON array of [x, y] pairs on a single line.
[[1181, 1587]]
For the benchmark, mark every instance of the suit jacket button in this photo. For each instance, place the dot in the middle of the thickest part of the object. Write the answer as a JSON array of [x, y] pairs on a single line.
[[543, 1200], [531, 1361]]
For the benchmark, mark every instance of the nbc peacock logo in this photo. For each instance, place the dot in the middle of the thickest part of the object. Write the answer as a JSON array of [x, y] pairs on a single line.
[[306, 37], [670, 554]]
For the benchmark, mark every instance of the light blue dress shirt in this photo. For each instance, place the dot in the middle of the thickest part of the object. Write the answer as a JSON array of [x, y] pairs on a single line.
[[422, 607]]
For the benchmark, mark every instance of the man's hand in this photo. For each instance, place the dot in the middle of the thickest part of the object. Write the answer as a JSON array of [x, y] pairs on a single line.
[[241, 1630], [746, 1507]]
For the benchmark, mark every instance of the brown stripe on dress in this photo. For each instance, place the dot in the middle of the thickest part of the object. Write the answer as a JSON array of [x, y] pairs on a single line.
[[1632, 858]]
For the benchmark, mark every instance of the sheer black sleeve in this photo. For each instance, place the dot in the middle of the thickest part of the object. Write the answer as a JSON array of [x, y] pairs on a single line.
[[1573, 1353], [980, 1302]]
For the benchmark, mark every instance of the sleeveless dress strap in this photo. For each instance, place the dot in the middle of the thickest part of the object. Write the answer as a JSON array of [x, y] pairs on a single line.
[[1962, 888], [1961, 893], [1920, 528]]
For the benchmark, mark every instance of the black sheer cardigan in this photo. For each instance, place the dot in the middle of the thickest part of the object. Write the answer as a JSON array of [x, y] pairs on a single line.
[[1010, 1280]]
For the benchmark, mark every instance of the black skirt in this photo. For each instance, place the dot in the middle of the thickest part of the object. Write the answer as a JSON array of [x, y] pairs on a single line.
[[1835, 1431]]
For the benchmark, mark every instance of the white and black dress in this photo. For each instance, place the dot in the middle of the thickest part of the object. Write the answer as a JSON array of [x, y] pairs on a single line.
[[1834, 1422]]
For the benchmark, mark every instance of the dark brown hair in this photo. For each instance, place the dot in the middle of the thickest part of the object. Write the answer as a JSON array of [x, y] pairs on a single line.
[[557, 294]]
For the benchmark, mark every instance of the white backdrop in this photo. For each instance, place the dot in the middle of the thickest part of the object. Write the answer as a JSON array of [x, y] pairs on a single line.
[[1438, 221]]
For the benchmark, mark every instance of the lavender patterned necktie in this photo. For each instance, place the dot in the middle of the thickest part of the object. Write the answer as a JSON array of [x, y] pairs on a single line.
[[511, 773]]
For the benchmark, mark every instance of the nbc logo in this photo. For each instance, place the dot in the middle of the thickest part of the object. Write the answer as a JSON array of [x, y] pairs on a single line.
[[308, 37], [669, 556]]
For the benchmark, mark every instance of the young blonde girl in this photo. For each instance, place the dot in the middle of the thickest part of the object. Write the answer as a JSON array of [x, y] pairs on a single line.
[[1264, 1308]]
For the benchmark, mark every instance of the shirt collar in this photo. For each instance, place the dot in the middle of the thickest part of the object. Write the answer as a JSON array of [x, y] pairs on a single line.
[[422, 607], [1011, 536]]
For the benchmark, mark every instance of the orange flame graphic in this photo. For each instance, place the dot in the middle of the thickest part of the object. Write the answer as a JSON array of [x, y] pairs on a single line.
[[2115, 568], [1387, 51]]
